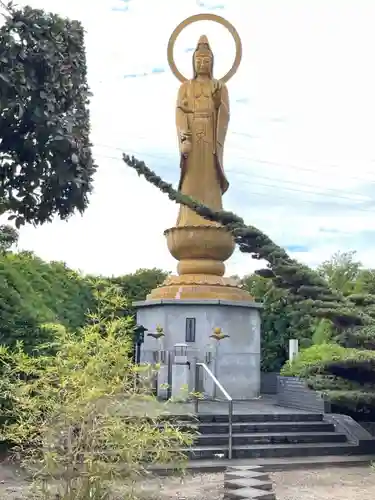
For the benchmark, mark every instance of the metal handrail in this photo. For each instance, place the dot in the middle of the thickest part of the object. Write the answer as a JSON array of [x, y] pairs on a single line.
[[227, 397]]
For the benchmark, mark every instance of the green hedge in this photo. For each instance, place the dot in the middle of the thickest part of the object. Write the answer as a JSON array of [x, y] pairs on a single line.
[[33, 292]]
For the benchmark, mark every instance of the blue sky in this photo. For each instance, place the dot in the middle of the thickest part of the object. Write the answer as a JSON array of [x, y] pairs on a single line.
[[300, 153]]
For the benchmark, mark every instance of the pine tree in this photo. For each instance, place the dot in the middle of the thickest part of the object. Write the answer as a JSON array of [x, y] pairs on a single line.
[[310, 295]]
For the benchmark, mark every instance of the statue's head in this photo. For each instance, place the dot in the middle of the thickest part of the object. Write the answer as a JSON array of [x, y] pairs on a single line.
[[203, 58]]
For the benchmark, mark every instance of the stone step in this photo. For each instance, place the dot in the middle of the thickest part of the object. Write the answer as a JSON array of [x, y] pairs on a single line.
[[268, 464], [233, 473], [259, 484], [205, 418], [270, 438], [271, 450], [249, 418], [249, 483], [249, 494], [263, 427]]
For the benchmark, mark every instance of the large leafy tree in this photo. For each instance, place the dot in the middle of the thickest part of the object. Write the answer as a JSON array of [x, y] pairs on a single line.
[[46, 164]]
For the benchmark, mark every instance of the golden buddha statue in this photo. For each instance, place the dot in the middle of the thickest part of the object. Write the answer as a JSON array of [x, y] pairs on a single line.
[[202, 117]]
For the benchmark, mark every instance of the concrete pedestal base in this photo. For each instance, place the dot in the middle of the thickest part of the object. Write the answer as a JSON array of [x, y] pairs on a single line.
[[238, 357]]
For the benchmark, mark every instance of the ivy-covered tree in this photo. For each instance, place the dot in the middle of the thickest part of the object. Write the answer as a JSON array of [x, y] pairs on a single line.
[[46, 164], [311, 296]]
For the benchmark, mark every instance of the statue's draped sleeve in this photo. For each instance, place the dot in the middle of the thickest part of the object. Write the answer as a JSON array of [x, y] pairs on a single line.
[[182, 124], [222, 123]]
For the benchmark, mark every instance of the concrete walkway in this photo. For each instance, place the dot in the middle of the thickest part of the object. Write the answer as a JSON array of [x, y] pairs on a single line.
[[263, 405]]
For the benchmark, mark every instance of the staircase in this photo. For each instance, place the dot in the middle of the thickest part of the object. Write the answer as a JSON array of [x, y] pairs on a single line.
[[276, 439], [261, 433], [268, 436]]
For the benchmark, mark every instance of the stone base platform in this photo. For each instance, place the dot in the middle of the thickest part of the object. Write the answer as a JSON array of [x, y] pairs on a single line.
[[235, 359]]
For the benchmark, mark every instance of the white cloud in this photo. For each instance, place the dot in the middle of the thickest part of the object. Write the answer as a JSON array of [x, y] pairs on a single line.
[[300, 152]]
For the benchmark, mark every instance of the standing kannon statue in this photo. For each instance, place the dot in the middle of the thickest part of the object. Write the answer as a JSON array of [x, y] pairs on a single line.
[[202, 118]]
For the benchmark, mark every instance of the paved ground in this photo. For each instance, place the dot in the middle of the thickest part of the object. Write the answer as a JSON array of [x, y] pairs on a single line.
[[265, 404]]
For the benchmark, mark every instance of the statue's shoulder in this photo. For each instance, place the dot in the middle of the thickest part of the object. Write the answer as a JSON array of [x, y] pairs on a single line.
[[215, 80], [184, 86]]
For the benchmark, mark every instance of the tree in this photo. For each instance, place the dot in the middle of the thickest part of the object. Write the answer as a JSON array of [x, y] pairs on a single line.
[[279, 322], [8, 238], [136, 286], [365, 282], [275, 322], [46, 165], [308, 290], [310, 295], [341, 271]]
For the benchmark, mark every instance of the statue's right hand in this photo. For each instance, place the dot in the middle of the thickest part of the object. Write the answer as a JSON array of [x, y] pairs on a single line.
[[216, 93], [217, 87]]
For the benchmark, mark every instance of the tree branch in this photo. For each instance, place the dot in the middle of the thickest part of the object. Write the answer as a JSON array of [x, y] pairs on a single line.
[[306, 287]]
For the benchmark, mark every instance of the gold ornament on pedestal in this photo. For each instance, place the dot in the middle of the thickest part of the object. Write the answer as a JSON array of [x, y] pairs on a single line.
[[202, 118]]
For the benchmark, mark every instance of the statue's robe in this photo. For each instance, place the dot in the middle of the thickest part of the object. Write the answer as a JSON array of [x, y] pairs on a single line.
[[202, 175]]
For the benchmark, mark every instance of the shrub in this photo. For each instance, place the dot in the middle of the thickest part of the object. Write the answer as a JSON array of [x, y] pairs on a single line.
[[344, 375], [80, 421], [323, 332], [34, 292], [312, 356]]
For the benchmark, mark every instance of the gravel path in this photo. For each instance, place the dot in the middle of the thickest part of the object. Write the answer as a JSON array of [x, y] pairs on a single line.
[[346, 483], [353, 483]]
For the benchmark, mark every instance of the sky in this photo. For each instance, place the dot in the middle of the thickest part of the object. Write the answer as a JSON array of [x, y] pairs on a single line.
[[300, 151]]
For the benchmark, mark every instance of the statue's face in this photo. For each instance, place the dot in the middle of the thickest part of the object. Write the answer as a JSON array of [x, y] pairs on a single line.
[[203, 64]]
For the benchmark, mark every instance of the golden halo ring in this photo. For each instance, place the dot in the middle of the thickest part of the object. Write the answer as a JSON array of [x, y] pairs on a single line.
[[205, 17]]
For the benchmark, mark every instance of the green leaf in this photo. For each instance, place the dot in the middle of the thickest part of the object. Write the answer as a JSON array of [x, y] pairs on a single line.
[[20, 221]]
